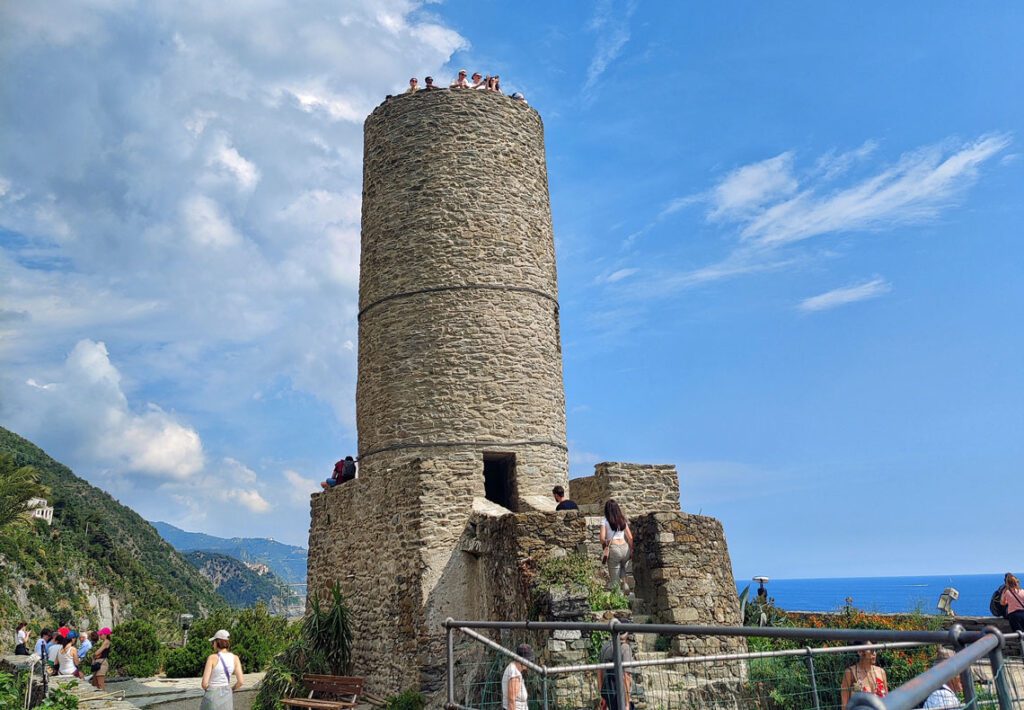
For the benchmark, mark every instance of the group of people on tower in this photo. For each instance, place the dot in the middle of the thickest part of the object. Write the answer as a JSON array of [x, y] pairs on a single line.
[[476, 82]]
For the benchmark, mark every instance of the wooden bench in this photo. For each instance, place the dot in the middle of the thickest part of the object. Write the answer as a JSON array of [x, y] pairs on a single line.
[[340, 691]]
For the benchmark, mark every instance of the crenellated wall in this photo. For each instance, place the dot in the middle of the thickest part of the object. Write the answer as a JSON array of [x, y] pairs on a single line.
[[638, 488]]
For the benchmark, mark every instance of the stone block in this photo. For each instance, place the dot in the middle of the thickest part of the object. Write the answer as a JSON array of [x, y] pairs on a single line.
[[556, 645], [566, 634]]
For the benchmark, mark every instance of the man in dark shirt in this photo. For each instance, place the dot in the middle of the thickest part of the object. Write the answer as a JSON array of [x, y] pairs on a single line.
[[563, 502]]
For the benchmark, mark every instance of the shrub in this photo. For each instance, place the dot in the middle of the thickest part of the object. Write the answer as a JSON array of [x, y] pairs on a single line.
[[12, 689], [60, 698], [256, 637], [406, 700], [135, 650], [324, 646], [575, 570]]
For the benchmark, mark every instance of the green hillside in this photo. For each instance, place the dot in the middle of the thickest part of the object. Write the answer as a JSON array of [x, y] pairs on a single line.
[[241, 586], [99, 561]]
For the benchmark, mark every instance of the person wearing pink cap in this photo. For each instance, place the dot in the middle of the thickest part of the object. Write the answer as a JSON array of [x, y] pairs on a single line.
[[220, 666], [100, 666]]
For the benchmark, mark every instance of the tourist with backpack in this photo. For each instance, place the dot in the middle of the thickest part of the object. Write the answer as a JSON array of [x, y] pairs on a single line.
[[1012, 599], [344, 470]]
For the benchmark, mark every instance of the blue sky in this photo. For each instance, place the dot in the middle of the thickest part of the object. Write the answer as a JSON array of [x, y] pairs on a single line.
[[788, 259]]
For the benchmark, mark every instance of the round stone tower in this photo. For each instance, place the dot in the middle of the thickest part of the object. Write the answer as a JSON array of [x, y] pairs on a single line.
[[460, 355]]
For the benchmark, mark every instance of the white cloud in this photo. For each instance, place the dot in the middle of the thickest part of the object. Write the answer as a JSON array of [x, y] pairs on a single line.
[[299, 487], [251, 500], [184, 179], [85, 410], [848, 294], [772, 204], [914, 190], [610, 22], [746, 190], [618, 275], [206, 225]]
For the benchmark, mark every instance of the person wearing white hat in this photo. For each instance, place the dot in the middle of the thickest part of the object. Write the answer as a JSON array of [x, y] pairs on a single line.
[[220, 666]]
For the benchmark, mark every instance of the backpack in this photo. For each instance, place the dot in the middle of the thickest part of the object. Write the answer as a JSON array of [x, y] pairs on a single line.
[[348, 471], [995, 605]]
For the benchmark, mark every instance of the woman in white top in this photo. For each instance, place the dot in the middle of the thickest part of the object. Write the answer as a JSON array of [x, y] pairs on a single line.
[[513, 686], [617, 544], [220, 666], [67, 658], [21, 640]]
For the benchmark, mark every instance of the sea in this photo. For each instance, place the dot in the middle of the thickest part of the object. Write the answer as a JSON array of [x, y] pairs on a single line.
[[882, 594]]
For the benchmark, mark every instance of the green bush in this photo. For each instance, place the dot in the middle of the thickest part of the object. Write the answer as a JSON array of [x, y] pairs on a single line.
[[135, 650], [323, 646], [406, 700], [12, 689], [571, 571], [60, 698], [256, 637]]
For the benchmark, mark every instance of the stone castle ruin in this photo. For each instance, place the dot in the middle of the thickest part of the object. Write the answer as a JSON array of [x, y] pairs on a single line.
[[461, 408]]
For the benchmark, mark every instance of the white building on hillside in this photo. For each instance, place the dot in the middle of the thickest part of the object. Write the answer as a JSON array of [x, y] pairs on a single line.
[[41, 509]]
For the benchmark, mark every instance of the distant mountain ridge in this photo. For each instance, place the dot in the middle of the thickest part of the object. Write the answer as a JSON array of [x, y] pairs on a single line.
[[98, 564], [245, 584], [286, 561]]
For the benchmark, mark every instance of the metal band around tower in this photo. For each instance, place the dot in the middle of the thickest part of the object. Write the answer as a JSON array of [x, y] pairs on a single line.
[[465, 287], [467, 444]]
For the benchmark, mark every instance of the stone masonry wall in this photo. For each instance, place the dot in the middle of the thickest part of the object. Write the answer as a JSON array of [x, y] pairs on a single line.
[[459, 343], [682, 567], [638, 488], [365, 536]]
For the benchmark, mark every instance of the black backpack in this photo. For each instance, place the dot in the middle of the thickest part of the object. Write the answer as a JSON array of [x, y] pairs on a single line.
[[995, 605], [348, 471]]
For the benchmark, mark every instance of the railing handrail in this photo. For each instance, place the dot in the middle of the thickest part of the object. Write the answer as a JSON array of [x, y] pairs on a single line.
[[956, 635]]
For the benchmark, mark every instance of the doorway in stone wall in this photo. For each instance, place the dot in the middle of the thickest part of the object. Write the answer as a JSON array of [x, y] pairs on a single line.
[[500, 479]]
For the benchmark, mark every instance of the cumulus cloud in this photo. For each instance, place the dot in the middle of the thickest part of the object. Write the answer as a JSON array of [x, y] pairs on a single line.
[[299, 487], [84, 407], [847, 294], [182, 183]]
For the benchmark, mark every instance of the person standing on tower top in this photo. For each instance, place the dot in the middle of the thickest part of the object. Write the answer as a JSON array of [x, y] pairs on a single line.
[[413, 86], [461, 82], [479, 83], [429, 81]]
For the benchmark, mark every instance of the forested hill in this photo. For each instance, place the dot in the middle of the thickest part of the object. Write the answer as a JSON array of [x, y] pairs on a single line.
[[244, 585], [286, 561], [98, 562]]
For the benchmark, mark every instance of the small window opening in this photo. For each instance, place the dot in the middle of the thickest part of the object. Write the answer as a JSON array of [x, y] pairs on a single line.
[[500, 479]]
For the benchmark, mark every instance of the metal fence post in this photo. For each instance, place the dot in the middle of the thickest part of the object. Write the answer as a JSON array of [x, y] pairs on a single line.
[[449, 639], [620, 685], [967, 677], [814, 682], [545, 684], [999, 670]]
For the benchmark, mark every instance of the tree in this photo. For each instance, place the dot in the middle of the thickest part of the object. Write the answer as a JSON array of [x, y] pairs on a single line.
[[18, 485]]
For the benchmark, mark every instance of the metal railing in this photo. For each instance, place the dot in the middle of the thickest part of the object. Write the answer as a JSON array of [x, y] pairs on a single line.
[[738, 690]]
